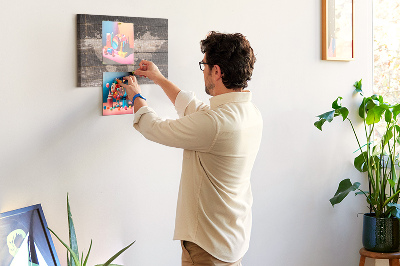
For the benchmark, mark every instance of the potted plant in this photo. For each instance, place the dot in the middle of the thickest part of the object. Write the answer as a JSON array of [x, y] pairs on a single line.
[[73, 256], [379, 159]]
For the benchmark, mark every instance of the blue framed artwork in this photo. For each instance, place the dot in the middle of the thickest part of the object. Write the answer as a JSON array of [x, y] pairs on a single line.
[[25, 239]]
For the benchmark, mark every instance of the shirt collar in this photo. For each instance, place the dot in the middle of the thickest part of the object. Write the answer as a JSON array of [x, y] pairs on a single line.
[[229, 98]]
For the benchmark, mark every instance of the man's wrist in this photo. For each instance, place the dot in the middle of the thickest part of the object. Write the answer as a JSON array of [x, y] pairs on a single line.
[[137, 95]]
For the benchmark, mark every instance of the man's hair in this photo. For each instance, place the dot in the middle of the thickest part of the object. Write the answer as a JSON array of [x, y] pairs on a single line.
[[233, 54]]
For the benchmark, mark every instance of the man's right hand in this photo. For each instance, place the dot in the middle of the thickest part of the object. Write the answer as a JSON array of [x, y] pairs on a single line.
[[149, 70]]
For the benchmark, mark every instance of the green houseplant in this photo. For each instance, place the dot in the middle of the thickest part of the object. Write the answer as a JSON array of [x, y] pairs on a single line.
[[73, 253], [377, 158]]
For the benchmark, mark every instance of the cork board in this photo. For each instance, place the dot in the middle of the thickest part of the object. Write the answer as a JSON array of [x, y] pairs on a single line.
[[150, 43]]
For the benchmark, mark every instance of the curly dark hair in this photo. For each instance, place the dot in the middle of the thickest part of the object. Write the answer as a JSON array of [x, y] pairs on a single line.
[[233, 54]]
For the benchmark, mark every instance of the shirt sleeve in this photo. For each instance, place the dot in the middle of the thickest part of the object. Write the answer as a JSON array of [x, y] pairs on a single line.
[[186, 103], [196, 131]]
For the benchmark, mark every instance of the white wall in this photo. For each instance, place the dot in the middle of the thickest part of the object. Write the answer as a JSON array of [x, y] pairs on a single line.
[[123, 187]]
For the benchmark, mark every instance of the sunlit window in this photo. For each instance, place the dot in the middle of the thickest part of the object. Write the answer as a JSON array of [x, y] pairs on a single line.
[[386, 22], [387, 49]]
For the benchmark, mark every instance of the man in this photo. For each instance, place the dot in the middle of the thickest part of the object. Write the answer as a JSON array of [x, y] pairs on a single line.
[[220, 142]]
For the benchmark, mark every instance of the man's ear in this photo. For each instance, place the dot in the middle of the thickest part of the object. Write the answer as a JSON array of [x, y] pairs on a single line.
[[216, 72]]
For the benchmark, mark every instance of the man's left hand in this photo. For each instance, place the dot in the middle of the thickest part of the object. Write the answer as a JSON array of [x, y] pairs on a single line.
[[132, 88]]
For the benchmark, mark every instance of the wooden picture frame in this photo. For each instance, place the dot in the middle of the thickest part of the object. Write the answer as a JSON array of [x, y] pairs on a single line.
[[338, 30], [25, 238]]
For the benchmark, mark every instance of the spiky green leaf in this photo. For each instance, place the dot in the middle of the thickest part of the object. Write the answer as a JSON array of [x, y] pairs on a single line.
[[117, 254], [73, 254], [108, 265], [72, 235], [87, 256]]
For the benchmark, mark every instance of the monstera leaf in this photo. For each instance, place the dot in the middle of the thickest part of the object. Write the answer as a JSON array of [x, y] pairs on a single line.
[[345, 187]]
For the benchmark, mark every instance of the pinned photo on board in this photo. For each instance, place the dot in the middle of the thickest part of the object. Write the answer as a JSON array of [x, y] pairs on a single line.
[[115, 100], [118, 43]]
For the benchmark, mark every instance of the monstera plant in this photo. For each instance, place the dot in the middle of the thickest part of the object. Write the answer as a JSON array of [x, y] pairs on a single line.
[[73, 256], [377, 157]]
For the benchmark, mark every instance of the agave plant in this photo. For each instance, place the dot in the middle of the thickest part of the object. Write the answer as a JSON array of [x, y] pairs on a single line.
[[378, 159], [73, 253]]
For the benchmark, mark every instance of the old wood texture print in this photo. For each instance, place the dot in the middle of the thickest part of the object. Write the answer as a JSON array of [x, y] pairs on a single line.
[[150, 43]]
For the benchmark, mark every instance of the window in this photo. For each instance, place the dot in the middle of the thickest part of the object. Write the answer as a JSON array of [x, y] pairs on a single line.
[[386, 23]]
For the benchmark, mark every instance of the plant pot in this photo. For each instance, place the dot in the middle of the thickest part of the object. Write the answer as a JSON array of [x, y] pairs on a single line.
[[381, 234]]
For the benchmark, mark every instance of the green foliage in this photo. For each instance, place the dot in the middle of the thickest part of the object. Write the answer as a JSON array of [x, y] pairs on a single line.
[[73, 253], [72, 237], [377, 159], [345, 187], [338, 110], [358, 86]]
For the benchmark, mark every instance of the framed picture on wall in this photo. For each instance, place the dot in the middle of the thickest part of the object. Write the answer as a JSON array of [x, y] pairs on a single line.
[[25, 239], [338, 30]]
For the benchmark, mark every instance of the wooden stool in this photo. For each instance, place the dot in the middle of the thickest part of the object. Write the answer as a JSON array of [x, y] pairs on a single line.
[[392, 257]]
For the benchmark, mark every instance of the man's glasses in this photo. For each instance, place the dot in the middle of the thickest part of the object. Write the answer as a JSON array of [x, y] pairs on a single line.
[[201, 65]]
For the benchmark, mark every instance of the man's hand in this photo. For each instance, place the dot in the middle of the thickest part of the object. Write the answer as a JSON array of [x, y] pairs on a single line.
[[149, 70], [132, 88]]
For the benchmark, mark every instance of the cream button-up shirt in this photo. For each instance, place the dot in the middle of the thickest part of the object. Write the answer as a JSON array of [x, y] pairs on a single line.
[[220, 145]]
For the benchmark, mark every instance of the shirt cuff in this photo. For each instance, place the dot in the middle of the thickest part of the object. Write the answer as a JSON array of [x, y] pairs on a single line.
[[143, 110], [182, 101]]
